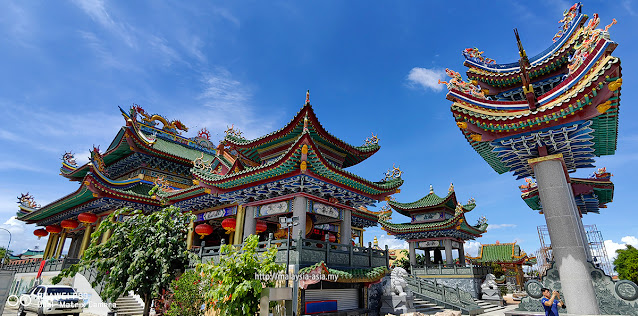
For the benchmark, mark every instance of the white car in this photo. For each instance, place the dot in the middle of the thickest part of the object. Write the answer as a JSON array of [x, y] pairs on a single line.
[[51, 300]]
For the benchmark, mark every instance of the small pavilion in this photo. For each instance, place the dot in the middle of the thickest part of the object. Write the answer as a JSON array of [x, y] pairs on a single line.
[[509, 256], [437, 225]]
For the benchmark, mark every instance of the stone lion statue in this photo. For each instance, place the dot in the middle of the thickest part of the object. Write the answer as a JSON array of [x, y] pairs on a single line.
[[489, 283], [397, 284]]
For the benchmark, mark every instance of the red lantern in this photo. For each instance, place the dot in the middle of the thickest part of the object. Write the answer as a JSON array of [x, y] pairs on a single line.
[[40, 233], [54, 229], [261, 227], [69, 224], [203, 230], [229, 224], [87, 218]]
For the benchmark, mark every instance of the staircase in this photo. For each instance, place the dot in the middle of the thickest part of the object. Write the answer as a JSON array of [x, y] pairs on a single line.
[[426, 307], [128, 306], [488, 307]]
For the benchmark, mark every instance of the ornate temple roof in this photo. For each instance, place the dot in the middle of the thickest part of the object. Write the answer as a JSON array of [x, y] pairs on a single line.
[[269, 146], [577, 116], [431, 202], [370, 275], [502, 253]]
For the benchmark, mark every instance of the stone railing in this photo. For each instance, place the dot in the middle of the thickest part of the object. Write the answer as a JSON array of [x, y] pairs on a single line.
[[443, 295], [449, 270], [34, 266], [309, 251]]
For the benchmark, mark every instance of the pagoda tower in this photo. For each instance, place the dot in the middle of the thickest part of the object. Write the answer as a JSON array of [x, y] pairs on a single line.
[[437, 225], [545, 117]]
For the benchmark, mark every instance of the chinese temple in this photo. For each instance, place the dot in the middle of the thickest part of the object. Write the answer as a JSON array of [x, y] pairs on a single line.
[[237, 188], [545, 117], [437, 225], [590, 194], [507, 255]]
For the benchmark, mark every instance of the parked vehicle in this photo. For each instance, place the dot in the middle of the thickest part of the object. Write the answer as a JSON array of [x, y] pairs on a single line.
[[51, 300]]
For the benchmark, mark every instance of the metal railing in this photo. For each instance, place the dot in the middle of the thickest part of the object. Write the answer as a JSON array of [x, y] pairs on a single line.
[[309, 251], [451, 269], [34, 266], [443, 295]]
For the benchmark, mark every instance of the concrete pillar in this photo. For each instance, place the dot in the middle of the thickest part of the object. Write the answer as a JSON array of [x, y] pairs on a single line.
[[61, 242], [250, 222], [562, 219], [412, 245], [462, 254], [447, 243], [72, 247], [346, 227], [581, 228], [299, 209]]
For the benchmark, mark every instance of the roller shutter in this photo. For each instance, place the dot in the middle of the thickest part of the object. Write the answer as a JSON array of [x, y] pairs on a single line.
[[346, 298]]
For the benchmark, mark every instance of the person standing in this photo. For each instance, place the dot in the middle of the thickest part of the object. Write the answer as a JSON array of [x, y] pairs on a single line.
[[551, 303]]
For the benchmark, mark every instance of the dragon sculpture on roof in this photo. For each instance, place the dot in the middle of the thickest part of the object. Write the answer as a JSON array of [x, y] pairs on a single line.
[[457, 83], [172, 127]]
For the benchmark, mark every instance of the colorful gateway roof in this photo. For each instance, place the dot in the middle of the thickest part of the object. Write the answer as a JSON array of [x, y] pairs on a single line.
[[564, 101], [432, 217], [502, 253], [590, 194]]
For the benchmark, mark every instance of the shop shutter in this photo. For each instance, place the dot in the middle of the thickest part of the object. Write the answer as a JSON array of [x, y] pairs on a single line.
[[346, 298]]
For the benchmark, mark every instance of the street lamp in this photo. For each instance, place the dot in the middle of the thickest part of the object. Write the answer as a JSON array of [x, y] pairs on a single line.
[[6, 252], [288, 222]]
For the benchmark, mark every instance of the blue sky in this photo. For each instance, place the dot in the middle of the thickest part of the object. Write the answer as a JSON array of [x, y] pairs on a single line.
[[67, 65]]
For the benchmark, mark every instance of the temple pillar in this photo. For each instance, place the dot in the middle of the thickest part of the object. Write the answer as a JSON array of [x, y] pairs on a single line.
[[239, 225], [86, 240], [462, 254], [438, 258], [346, 227], [581, 228], [570, 254], [411, 245], [48, 246], [428, 258], [71, 253], [107, 234], [250, 222], [61, 242], [447, 243], [190, 235], [54, 245], [299, 209]]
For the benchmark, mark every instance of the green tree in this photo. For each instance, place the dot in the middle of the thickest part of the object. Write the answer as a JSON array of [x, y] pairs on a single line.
[[233, 288], [627, 263], [187, 298], [144, 253], [3, 253]]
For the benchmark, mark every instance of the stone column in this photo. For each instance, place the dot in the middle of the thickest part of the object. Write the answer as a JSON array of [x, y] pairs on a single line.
[[250, 222], [72, 247], [581, 228], [462, 254], [299, 209], [346, 227], [562, 219], [411, 244], [447, 243], [58, 252]]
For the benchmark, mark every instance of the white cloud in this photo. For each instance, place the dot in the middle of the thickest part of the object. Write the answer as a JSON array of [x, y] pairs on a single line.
[[426, 78], [393, 243], [472, 247], [628, 8], [611, 246], [499, 226], [97, 11]]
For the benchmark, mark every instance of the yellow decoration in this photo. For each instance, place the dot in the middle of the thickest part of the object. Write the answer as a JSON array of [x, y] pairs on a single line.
[[195, 182], [615, 85], [462, 125], [476, 137], [207, 191], [304, 149], [602, 108], [303, 166]]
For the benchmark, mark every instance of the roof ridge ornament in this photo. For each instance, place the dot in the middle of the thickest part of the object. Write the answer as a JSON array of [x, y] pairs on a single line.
[[393, 173], [523, 63], [308, 97], [451, 188], [431, 189], [69, 159], [372, 140], [27, 200]]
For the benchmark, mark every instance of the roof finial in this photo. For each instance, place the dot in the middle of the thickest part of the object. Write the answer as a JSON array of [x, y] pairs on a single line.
[[376, 242], [431, 189], [451, 189], [308, 97]]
